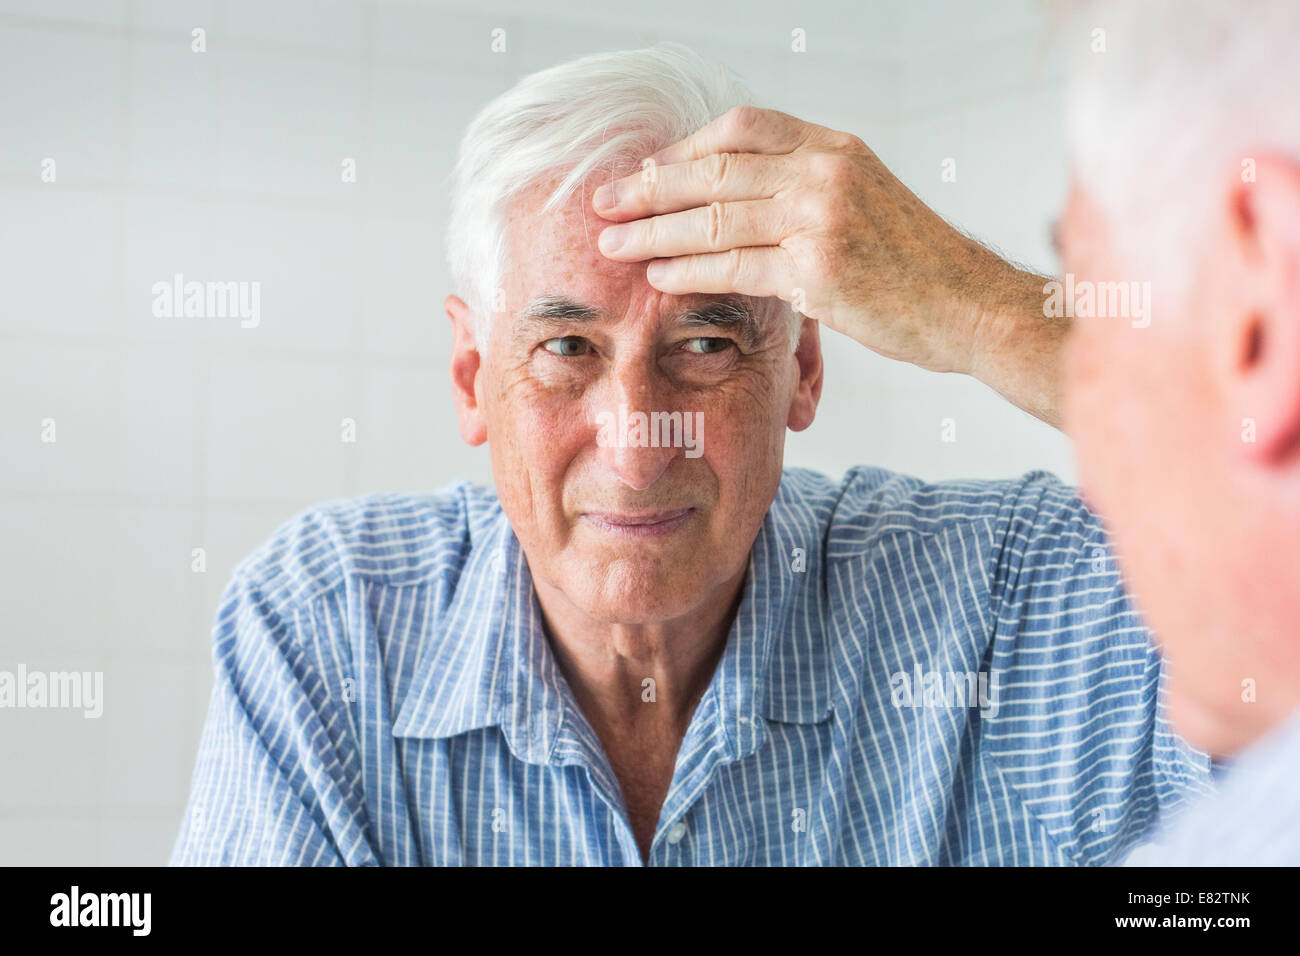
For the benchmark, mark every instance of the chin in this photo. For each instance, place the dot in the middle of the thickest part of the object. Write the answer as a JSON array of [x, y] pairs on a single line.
[[633, 610], [638, 591]]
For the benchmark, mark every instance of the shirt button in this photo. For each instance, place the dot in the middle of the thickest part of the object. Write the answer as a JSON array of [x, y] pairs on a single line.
[[676, 832]]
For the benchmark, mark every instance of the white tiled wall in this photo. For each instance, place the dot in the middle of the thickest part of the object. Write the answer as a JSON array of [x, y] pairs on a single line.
[[175, 434]]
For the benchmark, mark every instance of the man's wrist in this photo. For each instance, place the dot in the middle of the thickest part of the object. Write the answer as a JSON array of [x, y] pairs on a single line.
[[1008, 313], [1014, 348], [988, 303]]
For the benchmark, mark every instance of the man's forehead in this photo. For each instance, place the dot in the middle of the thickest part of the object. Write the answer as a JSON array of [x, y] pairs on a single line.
[[560, 275], [558, 247]]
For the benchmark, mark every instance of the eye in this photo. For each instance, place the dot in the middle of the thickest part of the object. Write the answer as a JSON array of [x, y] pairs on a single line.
[[711, 346], [570, 346]]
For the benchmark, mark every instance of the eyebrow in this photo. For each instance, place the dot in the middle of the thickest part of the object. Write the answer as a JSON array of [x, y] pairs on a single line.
[[728, 313], [555, 309]]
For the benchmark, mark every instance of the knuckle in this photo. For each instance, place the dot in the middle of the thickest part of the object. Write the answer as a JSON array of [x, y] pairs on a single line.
[[715, 223], [741, 119], [645, 187], [717, 168], [850, 142], [819, 208], [819, 265], [832, 169], [647, 232], [736, 264]]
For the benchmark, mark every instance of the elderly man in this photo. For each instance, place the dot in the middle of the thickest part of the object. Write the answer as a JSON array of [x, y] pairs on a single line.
[[1184, 406], [654, 644], [1186, 140]]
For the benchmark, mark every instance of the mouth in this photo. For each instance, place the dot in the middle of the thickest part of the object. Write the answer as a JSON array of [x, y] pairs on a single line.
[[649, 524]]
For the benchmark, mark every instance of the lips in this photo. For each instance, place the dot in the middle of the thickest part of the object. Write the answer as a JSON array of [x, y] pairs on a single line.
[[639, 524], [649, 517]]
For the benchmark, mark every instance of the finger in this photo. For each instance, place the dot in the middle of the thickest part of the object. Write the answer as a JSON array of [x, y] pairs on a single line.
[[745, 129], [712, 228], [724, 177], [758, 271]]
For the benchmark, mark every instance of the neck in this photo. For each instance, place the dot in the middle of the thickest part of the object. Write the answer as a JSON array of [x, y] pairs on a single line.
[[644, 677]]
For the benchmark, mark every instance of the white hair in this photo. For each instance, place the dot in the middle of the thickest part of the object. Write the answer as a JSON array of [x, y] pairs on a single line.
[[1178, 95], [583, 115]]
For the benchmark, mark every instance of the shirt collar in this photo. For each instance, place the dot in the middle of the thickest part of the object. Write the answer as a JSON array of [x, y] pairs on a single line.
[[490, 664]]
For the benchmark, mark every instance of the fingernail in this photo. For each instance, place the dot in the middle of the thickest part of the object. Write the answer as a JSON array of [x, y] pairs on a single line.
[[656, 271], [612, 239], [606, 197]]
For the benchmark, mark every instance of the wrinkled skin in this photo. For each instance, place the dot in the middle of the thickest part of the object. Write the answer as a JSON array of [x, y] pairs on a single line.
[[538, 410], [621, 609]]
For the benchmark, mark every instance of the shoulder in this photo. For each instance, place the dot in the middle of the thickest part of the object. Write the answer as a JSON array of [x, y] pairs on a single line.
[[389, 538], [869, 503]]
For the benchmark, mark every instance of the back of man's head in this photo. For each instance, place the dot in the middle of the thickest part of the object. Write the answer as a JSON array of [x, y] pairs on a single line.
[[1183, 389]]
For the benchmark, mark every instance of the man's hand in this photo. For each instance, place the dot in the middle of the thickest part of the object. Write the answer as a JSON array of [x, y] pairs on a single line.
[[761, 203]]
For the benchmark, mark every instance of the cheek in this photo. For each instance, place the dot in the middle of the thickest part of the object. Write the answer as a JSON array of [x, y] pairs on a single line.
[[533, 434], [744, 447], [539, 428]]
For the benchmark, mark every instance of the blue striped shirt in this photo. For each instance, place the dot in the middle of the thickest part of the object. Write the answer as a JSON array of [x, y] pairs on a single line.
[[385, 694]]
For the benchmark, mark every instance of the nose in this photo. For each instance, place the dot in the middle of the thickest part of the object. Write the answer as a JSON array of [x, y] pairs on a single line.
[[633, 445], [638, 467]]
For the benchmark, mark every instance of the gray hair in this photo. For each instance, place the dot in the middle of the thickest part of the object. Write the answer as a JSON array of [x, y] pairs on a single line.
[[591, 112], [1178, 94]]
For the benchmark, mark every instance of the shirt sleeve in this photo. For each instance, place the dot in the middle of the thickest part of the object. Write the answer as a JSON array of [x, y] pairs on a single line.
[[1081, 731], [268, 787]]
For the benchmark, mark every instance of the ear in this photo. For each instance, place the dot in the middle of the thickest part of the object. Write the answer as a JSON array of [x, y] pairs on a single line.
[[808, 392], [1258, 343], [466, 362]]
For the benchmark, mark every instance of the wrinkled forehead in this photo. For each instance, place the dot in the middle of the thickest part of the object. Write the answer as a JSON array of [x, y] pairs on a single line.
[[554, 254], [555, 251]]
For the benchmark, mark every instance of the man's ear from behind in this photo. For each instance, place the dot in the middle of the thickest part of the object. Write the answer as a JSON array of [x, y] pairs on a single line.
[[1256, 340]]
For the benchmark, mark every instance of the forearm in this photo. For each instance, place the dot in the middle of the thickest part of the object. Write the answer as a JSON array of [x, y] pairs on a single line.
[[1015, 349], [854, 247], [960, 308]]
